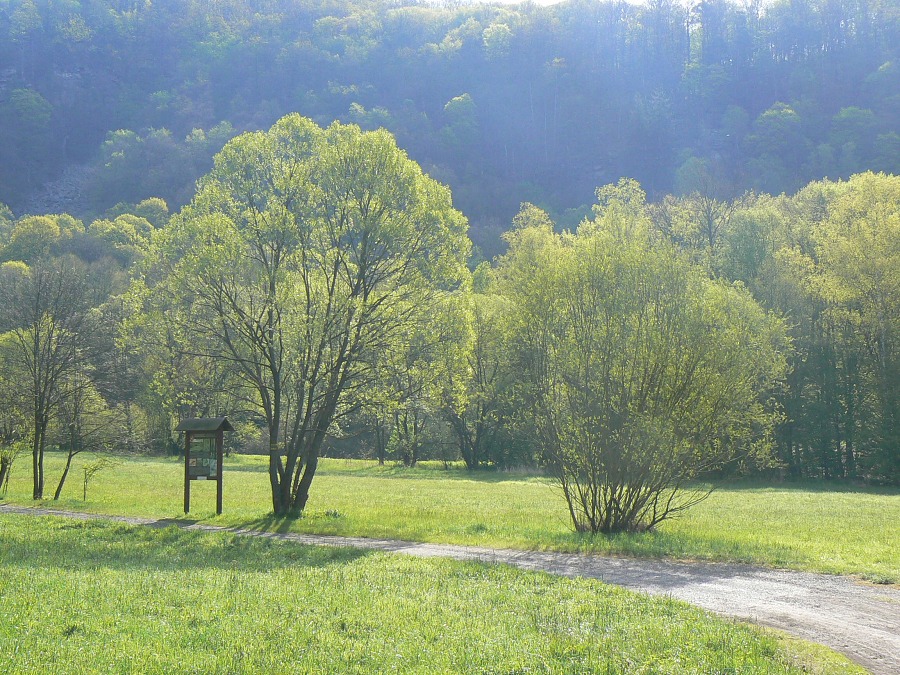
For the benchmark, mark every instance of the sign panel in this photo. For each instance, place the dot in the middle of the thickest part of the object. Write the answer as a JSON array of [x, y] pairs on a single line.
[[203, 463]]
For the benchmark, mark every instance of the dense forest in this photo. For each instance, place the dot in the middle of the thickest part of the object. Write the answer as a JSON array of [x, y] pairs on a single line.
[[740, 289], [119, 101], [91, 360]]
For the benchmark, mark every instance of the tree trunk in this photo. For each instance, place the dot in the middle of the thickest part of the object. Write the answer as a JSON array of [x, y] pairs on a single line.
[[309, 471], [129, 427], [65, 473], [72, 452], [37, 459], [279, 505], [850, 431], [463, 439], [5, 466], [380, 441], [402, 428]]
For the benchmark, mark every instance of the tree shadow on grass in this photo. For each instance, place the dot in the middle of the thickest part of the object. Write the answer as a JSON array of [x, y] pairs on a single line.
[[51, 542], [269, 524], [427, 471]]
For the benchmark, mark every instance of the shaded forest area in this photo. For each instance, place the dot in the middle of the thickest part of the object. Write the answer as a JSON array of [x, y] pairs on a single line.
[[118, 101]]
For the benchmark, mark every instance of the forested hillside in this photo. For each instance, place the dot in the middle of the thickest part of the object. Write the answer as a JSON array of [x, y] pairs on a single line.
[[733, 303], [503, 103]]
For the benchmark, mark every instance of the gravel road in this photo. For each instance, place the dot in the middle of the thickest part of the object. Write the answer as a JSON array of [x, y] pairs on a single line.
[[859, 620]]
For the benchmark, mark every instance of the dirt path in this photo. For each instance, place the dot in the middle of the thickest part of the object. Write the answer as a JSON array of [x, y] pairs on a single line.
[[859, 620]]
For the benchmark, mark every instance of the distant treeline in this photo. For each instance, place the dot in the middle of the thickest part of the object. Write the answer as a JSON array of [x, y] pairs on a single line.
[[503, 103], [824, 263]]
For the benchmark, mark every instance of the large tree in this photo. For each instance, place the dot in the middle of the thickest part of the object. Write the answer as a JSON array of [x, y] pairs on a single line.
[[304, 253], [640, 371]]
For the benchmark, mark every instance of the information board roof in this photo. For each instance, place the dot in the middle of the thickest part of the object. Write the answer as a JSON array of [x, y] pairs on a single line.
[[205, 424]]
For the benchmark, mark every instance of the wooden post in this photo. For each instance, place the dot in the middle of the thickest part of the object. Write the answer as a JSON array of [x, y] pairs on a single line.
[[219, 447], [187, 478]]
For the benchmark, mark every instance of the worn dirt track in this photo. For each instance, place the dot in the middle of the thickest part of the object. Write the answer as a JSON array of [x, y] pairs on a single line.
[[859, 620]]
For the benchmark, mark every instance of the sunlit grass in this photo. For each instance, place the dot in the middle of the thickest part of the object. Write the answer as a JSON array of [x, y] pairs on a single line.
[[813, 527], [96, 597]]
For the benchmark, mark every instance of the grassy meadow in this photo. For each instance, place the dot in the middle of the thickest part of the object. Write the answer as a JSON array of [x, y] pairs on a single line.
[[101, 597], [823, 528]]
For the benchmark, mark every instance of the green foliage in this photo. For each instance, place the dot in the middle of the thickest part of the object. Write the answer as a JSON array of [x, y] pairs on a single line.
[[154, 210], [7, 222], [25, 21], [305, 255], [857, 275], [461, 131], [497, 40], [125, 239], [480, 414], [639, 372], [25, 130], [32, 109], [53, 343], [421, 373], [34, 237], [376, 118], [852, 143], [154, 165], [826, 260], [568, 95]]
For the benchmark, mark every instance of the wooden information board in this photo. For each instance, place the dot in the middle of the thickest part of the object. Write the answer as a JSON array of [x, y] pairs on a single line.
[[204, 439]]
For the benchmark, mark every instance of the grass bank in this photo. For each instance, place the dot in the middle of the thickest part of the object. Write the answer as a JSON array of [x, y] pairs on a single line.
[[96, 597], [824, 528]]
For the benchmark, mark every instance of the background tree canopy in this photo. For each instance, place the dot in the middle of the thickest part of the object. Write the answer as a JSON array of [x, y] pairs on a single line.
[[312, 280], [315, 290], [504, 103]]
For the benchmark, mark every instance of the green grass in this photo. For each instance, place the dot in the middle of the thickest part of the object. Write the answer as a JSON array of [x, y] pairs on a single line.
[[98, 597], [827, 528]]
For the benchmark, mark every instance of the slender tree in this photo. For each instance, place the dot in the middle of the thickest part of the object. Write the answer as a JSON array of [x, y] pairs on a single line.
[[475, 413], [45, 308]]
